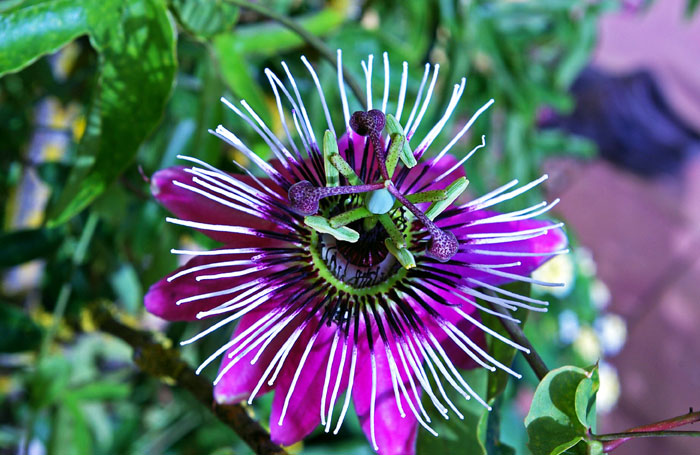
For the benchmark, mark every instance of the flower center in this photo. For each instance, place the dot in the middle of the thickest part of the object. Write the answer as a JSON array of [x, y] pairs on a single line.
[[373, 203], [367, 272]]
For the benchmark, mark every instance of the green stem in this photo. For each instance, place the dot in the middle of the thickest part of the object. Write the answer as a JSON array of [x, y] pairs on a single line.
[[163, 362], [56, 317], [310, 38], [516, 334], [646, 434], [67, 288], [60, 309], [656, 429]]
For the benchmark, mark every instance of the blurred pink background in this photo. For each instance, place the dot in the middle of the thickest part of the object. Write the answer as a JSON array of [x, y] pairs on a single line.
[[645, 233]]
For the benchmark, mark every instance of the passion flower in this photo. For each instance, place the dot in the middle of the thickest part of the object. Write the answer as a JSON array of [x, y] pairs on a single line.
[[350, 267]]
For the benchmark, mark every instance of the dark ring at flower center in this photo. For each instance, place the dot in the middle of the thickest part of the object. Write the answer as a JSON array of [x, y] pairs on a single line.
[[331, 258]]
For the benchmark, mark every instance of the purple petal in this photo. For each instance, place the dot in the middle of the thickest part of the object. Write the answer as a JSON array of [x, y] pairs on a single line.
[[553, 240], [394, 435], [191, 206], [303, 412], [161, 298], [240, 381], [358, 143]]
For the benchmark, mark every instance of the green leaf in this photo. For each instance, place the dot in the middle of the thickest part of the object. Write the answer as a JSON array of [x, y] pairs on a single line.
[[490, 429], [18, 247], [205, 19], [691, 7], [100, 391], [585, 400], [455, 435], [49, 381], [71, 434], [271, 39], [136, 46], [561, 412], [547, 436], [29, 31], [238, 77], [19, 332], [579, 56]]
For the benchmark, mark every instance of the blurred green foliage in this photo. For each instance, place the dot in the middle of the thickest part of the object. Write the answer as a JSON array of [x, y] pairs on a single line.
[[136, 83]]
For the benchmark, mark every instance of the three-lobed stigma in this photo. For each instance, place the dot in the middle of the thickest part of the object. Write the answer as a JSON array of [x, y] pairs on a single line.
[[374, 201]]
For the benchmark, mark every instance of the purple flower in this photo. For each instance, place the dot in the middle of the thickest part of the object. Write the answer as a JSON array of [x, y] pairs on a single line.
[[350, 266]]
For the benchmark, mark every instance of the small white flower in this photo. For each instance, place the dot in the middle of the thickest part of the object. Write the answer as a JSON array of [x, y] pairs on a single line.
[[612, 333], [587, 345], [600, 294], [609, 391], [560, 269], [568, 326], [586, 264]]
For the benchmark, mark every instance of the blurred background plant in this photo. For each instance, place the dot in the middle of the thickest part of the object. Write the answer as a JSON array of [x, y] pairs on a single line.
[[96, 96]]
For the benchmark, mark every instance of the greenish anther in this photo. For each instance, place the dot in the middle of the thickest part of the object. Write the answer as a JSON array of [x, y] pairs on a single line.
[[394, 127], [427, 196], [320, 224], [452, 192], [392, 157], [395, 234], [403, 255], [349, 216], [344, 168], [330, 147]]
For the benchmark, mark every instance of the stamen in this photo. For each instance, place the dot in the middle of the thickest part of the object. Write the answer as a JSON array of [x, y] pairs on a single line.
[[336, 387], [403, 255], [394, 233], [348, 392], [327, 379], [330, 148], [348, 217], [452, 192], [394, 127], [297, 373], [321, 225]]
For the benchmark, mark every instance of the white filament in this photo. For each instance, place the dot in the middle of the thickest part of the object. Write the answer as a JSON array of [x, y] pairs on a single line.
[[385, 97], [367, 68], [327, 379], [402, 91], [297, 373], [464, 129], [348, 392], [319, 89], [336, 387]]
